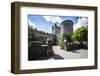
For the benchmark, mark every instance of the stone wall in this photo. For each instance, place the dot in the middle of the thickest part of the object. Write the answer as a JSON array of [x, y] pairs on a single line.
[[42, 36], [38, 51]]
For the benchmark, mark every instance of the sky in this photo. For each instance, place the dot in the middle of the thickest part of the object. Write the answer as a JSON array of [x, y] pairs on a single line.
[[45, 23]]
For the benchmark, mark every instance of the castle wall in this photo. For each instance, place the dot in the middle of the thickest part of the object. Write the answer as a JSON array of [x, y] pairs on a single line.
[[42, 36], [56, 31]]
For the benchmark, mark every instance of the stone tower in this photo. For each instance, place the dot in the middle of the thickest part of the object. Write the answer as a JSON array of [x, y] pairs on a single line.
[[56, 32], [66, 27]]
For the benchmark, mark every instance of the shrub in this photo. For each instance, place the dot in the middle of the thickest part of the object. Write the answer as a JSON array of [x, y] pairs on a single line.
[[69, 46], [85, 46]]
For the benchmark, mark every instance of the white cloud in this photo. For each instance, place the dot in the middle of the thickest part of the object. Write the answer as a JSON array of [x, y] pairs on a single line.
[[32, 24], [82, 21], [53, 19]]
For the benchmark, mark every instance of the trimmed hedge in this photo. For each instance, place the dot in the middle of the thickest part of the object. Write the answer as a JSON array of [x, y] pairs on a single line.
[[34, 50]]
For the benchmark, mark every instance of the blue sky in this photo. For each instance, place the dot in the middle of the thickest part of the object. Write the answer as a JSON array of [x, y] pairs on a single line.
[[45, 23]]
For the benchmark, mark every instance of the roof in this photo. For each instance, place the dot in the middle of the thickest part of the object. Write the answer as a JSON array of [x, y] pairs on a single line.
[[67, 21]]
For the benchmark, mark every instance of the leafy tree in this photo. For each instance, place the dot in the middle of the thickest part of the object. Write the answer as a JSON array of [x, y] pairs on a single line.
[[80, 34], [31, 35]]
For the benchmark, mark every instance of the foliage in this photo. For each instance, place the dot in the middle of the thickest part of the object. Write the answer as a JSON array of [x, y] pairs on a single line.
[[62, 41], [85, 45], [65, 37], [31, 35], [69, 47], [68, 38], [80, 34]]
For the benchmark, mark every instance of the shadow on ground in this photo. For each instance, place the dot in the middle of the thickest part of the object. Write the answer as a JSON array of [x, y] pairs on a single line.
[[55, 56], [75, 51]]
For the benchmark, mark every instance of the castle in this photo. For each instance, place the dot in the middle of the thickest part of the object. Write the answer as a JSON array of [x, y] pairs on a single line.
[[66, 27], [58, 29]]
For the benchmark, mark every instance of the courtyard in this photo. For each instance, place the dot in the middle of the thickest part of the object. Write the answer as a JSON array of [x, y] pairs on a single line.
[[57, 40], [62, 54]]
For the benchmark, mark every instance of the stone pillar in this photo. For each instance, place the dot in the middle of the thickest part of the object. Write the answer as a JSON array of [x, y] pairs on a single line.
[[50, 44], [50, 48], [44, 50]]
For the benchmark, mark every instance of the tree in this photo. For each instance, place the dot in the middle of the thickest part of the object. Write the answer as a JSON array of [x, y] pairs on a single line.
[[65, 37], [80, 34], [31, 35]]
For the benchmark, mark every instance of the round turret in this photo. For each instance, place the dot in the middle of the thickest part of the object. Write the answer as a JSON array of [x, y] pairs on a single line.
[[67, 27]]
